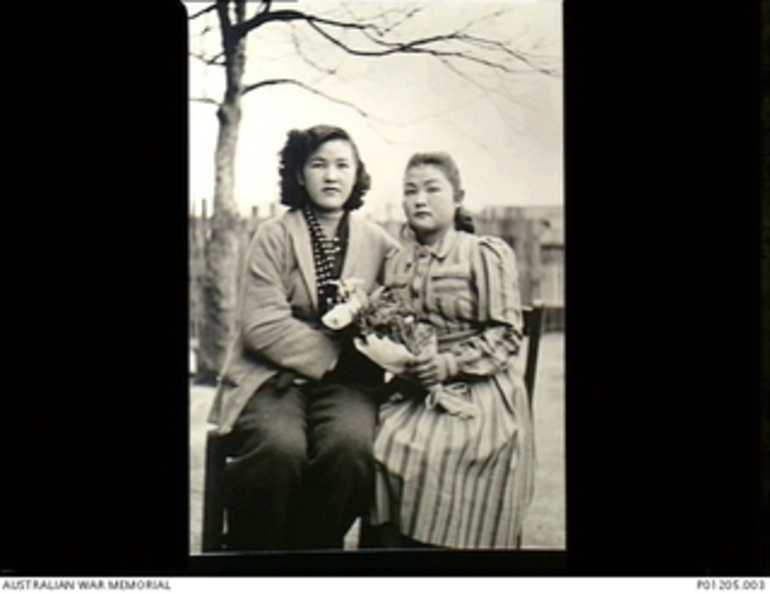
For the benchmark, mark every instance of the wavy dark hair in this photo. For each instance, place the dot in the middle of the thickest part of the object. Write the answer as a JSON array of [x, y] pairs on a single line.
[[300, 144], [444, 162]]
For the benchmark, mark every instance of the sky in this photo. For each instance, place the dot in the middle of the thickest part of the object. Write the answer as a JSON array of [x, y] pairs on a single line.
[[509, 152]]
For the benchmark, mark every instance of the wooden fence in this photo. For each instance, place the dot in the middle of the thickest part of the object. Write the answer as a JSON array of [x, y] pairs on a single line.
[[541, 265]]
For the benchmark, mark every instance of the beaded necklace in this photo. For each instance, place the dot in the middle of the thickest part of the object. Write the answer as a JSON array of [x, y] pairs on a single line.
[[328, 255]]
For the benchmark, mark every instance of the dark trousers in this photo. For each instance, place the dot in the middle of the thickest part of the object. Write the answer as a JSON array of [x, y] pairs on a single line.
[[304, 470]]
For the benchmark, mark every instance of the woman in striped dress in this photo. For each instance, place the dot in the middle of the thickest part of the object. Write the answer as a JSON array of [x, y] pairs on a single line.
[[457, 474]]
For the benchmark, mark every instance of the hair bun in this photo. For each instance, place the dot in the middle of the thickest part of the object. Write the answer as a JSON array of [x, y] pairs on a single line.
[[464, 220]]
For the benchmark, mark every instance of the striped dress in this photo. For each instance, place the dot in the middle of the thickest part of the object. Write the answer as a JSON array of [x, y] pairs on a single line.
[[443, 480]]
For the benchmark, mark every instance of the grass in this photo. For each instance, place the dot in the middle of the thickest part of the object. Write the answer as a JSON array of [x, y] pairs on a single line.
[[544, 527]]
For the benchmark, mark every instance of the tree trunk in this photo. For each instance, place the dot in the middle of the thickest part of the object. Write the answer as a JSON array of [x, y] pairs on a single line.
[[220, 289]]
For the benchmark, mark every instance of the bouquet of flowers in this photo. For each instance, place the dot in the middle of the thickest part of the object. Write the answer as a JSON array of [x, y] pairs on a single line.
[[345, 312], [392, 334], [392, 331]]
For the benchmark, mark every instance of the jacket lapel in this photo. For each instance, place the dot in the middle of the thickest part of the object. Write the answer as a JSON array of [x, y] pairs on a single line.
[[300, 236], [354, 247]]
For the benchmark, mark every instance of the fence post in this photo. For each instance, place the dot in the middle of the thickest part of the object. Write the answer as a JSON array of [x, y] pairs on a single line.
[[535, 254], [191, 245], [204, 220], [253, 222]]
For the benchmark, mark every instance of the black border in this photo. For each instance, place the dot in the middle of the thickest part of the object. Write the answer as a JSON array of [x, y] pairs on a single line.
[[663, 452]]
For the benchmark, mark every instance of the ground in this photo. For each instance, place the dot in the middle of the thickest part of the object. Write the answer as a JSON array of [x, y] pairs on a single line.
[[544, 527]]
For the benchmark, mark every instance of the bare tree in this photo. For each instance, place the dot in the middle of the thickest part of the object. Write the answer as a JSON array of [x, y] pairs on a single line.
[[370, 33]]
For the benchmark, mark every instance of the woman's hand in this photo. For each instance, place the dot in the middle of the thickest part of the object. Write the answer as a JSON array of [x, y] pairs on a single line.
[[390, 356], [430, 369]]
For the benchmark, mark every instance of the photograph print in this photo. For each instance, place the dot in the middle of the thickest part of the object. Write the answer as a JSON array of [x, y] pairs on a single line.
[[376, 243]]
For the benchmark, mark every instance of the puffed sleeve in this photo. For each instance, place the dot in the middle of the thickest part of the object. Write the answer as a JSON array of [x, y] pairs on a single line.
[[389, 247], [499, 308], [267, 323]]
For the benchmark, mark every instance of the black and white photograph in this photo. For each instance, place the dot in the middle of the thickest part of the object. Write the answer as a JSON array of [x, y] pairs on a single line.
[[391, 288], [377, 277]]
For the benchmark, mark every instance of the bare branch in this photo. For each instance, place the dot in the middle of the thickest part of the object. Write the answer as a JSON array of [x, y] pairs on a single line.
[[389, 27], [202, 12], [498, 45], [233, 45], [340, 24], [487, 17], [290, 81], [208, 61], [472, 139], [240, 11], [204, 100], [224, 17], [369, 118], [304, 56], [419, 47], [286, 16], [489, 63], [415, 46], [410, 14], [489, 92], [392, 47], [239, 42]]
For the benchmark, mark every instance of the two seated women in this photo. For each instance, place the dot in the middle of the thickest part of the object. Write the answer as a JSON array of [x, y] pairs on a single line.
[[322, 439]]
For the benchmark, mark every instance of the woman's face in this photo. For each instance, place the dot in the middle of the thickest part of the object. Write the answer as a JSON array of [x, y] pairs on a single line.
[[329, 174], [429, 199]]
